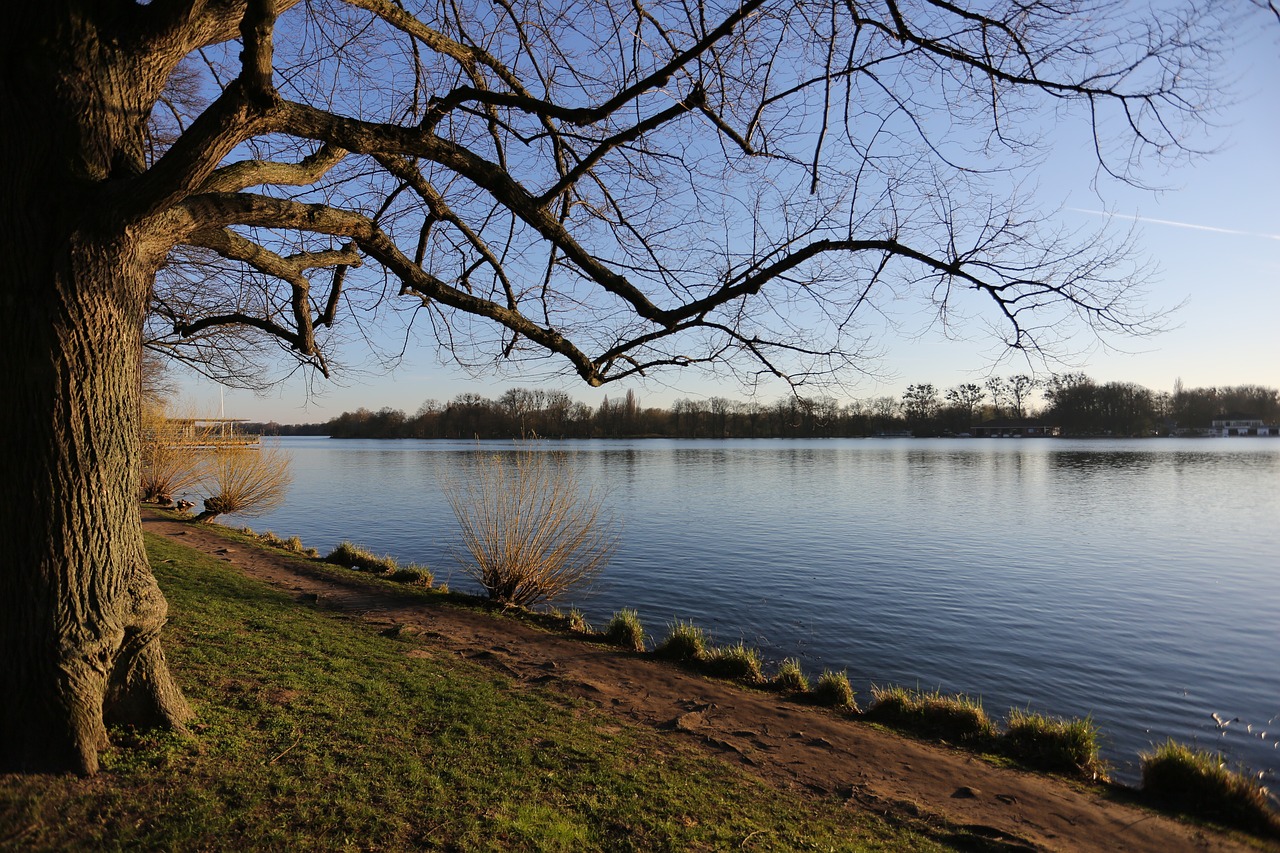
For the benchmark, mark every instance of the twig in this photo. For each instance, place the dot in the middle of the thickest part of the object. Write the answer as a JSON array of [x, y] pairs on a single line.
[[296, 741]]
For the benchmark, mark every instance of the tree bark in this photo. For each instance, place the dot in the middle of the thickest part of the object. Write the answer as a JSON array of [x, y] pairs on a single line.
[[80, 612]]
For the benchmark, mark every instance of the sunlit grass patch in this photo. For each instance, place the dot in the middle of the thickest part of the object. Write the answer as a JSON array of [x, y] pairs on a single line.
[[739, 662], [625, 630], [352, 556], [268, 537], [834, 691], [790, 678], [685, 641], [1054, 744], [1199, 783], [932, 714], [578, 622], [412, 575]]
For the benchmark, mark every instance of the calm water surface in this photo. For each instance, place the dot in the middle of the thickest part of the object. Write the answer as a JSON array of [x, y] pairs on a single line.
[[1134, 581]]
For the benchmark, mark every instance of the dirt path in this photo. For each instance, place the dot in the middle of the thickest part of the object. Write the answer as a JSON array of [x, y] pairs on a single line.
[[785, 743]]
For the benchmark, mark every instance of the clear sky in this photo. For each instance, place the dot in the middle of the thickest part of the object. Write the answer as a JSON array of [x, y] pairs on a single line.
[[1214, 237]]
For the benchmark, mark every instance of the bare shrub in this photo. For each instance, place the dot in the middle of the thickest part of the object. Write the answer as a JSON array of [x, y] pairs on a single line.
[[529, 530], [245, 482], [169, 466]]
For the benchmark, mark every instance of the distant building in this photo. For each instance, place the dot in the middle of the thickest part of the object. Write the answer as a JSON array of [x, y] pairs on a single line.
[[1016, 428], [1235, 423]]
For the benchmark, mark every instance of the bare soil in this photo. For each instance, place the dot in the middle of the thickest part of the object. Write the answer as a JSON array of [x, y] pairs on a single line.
[[786, 743]]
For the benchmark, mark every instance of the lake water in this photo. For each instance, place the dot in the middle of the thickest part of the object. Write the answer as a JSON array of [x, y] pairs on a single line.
[[1134, 581]]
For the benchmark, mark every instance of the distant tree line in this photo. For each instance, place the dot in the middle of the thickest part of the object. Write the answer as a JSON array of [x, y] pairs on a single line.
[[1072, 401]]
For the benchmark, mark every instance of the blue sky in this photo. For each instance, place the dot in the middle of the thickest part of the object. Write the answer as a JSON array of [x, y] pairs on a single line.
[[1214, 237]]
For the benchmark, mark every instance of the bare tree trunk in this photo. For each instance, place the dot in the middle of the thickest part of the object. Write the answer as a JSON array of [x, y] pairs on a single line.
[[80, 612]]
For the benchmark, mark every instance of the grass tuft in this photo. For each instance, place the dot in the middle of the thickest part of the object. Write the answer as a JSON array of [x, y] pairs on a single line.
[[790, 678], [738, 662], [1199, 783], [412, 575], [268, 537], [353, 556], [625, 630], [685, 642], [951, 718], [833, 690], [1054, 744], [578, 623]]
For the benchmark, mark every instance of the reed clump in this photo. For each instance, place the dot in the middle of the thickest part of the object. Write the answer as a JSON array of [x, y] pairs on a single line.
[[413, 576], [1068, 746], [625, 630], [1198, 782], [790, 677], [684, 642], [352, 556], [578, 623], [931, 714], [738, 662], [834, 691]]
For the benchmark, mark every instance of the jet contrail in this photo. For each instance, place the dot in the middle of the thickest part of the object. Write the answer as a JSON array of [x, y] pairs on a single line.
[[1191, 225]]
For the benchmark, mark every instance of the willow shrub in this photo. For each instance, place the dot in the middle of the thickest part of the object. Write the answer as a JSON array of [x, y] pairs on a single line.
[[243, 481], [530, 532], [171, 464]]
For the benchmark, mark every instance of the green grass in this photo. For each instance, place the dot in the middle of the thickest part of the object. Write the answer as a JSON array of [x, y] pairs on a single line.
[[625, 630], [1053, 744], [931, 714], [577, 622], [1198, 782], [834, 691], [685, 641], [352, 556], [360, 559], [314, 732], [790, 678], [739, 662]]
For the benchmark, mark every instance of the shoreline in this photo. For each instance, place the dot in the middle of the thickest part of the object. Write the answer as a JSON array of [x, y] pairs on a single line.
[[755, 736]]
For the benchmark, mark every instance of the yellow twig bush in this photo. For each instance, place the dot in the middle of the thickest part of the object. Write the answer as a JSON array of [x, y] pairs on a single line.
[[241, 481], [529, 531], [168, 468]]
